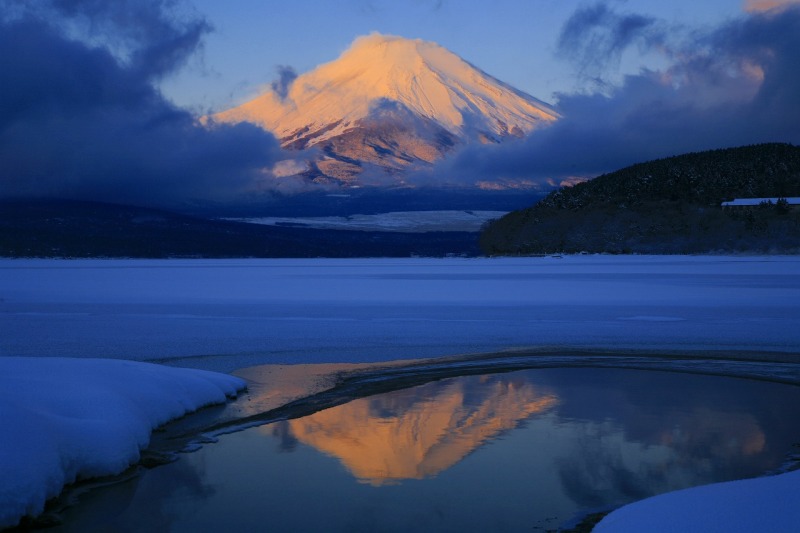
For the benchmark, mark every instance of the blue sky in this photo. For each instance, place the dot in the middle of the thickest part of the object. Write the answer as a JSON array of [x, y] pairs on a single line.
[[513, 40], [100, 98]]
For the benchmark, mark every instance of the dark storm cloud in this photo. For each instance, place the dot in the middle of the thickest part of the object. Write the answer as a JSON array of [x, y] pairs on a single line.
[[80, 117], [735, 85], [286, 75]]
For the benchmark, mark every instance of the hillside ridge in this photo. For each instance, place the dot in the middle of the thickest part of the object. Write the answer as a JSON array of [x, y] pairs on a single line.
[[669, 205]]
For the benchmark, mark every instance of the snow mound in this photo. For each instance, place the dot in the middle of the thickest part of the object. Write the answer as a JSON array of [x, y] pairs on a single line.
[[761, 504], [67, 419]]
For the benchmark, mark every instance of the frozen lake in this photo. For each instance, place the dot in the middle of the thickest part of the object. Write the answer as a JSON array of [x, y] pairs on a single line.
[[228, 314], [573, 311]]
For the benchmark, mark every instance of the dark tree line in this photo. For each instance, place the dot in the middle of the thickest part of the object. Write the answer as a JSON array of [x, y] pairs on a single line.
[[670, 205]]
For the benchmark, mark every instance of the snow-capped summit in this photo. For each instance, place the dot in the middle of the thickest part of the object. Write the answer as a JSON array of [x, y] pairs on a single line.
[[392, 102]]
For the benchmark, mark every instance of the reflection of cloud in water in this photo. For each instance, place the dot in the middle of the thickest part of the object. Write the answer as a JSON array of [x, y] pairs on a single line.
[[663, 438], [689, 449], [417, 433], [704, 432], [142, 503], [605, 467]]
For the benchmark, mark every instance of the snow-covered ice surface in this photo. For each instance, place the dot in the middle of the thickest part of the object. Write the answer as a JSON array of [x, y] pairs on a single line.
[[65, 419], [227, 314], [767, 504], [397, 221]]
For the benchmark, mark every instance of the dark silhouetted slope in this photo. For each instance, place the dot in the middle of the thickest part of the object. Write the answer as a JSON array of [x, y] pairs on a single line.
[[670, 205]]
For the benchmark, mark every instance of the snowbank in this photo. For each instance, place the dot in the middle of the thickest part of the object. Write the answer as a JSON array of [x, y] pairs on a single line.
[[761, 504], [64, 419]]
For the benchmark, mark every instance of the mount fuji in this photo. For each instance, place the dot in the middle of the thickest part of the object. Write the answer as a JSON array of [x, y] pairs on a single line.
[[386, 106]]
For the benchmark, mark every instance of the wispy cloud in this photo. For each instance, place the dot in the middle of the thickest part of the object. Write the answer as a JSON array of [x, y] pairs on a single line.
[[595, 37], [281, 86]]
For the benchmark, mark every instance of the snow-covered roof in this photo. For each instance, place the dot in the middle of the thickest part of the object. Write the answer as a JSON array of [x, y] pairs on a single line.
[[757, 201]]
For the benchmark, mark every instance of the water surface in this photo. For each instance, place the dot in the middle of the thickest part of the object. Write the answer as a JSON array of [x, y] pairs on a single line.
[[526, 450]]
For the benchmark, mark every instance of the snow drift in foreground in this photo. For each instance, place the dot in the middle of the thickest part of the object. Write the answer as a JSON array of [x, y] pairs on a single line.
[[66, 419], [761, 504]]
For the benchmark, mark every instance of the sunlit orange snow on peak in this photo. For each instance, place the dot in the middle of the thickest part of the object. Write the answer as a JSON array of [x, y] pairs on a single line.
[[425, 77], [390, 104], [758, 6], [569, 181], [417, 433]]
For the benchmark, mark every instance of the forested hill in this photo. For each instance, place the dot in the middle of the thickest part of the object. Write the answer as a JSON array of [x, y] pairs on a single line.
[[669, 205]]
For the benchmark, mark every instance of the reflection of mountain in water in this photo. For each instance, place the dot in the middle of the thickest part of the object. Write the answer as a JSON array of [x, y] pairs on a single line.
[[417, 433]]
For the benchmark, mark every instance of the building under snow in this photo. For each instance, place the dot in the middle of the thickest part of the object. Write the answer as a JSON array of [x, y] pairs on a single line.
[[744, 203]]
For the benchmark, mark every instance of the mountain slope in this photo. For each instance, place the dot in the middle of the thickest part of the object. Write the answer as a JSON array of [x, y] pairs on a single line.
[[394, 103], [669, 205]]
